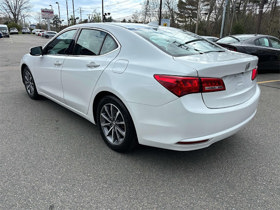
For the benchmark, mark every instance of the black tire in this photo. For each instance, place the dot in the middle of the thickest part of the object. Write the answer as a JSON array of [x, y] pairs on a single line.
[[116, 125], [29, 83]]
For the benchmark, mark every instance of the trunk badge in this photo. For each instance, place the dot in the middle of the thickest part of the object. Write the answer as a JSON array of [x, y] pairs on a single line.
[[247, 67]]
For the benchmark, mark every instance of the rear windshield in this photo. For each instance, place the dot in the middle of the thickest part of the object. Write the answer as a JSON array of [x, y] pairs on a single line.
[[176, 42], [234, 39]]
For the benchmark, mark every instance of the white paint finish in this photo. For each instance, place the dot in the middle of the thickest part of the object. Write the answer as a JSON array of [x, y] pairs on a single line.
[[161, 119], [79, 77], [47, 73], [120, 66]]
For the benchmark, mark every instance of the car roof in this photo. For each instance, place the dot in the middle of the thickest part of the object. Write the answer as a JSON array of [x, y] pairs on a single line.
[[251, 35], [129, 26]]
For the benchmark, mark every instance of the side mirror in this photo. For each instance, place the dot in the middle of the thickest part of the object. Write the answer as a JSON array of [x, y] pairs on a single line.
[[36, 51]]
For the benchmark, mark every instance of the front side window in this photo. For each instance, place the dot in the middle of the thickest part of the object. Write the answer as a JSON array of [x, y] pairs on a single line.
[[275, 43], [61, 44], [89, 42]]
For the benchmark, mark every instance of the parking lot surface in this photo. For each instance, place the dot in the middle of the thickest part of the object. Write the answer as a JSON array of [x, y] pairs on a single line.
[[50, 156]]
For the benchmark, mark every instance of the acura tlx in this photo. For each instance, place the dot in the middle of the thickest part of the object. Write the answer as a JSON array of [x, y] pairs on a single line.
[[152, 85]]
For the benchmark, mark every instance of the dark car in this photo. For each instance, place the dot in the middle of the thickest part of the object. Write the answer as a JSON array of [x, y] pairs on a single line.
[[266, 47]]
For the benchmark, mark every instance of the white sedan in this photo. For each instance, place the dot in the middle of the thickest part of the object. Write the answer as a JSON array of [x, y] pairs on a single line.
[[156, 86]]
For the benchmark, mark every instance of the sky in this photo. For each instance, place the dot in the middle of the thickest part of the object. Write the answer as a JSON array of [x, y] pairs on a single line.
[[119, 9]]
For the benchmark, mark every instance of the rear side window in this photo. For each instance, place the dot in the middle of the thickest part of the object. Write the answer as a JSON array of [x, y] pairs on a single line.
[[262, 42], [108, 45], [275, 43]]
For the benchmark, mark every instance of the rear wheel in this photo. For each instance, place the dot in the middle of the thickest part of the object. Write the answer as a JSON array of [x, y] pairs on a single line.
[[115, 124], [29, 83]]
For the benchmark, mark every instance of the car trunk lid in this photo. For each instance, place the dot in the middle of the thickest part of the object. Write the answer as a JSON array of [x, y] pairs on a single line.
[[235, 69]]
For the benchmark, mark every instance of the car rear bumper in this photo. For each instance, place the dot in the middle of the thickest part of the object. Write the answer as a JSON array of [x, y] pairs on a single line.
[[180, 124]]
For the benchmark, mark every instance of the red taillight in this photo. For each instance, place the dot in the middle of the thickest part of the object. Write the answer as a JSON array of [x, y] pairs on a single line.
[[185, 85], [254, 73]]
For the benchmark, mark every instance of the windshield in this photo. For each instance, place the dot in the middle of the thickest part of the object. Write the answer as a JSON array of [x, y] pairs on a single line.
[[3, 29], [177, 42]]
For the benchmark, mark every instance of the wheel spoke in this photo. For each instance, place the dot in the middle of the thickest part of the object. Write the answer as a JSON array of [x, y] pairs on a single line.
[[105, 124], [117, 134], [113, 132], [111, 110], [120, 130], [106, 118], [107, 112], [108, 132], [117, 114], [120, 123], [26, 78]]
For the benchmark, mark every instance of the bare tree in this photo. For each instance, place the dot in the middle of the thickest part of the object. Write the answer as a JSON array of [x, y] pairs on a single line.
[[171, 8], [135, 17], [261, 8], [14, 9], [146, 10]]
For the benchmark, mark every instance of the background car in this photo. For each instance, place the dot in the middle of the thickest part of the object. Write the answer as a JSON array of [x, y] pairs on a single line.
[[34, 30], [4, 30], [39, 33], [156, 86], [25, 31], [49, 34], [42, 34], [267, 48], [13, 31]]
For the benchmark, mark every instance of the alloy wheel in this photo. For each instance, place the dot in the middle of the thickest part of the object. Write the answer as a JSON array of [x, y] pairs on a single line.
[[29, 83], [112, 124]]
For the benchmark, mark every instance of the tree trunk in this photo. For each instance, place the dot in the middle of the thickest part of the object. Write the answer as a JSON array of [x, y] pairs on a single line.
[[260, 16]]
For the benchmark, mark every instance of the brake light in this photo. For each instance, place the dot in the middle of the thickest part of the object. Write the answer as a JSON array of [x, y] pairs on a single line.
[[254, 73], [181, 86]]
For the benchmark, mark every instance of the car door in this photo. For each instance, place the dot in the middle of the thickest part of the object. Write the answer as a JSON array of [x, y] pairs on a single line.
[[275, 44], [267, 55], [93, 52], [48, 66]]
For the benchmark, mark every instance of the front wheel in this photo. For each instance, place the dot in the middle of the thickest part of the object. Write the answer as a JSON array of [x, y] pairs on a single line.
[[116, 125], [29, 84]]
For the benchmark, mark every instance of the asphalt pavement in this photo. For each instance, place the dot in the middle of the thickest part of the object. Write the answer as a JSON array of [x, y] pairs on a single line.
[[51, 157]]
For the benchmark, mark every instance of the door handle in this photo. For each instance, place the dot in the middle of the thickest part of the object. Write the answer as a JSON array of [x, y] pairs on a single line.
[[92, 65], [58, 63]]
